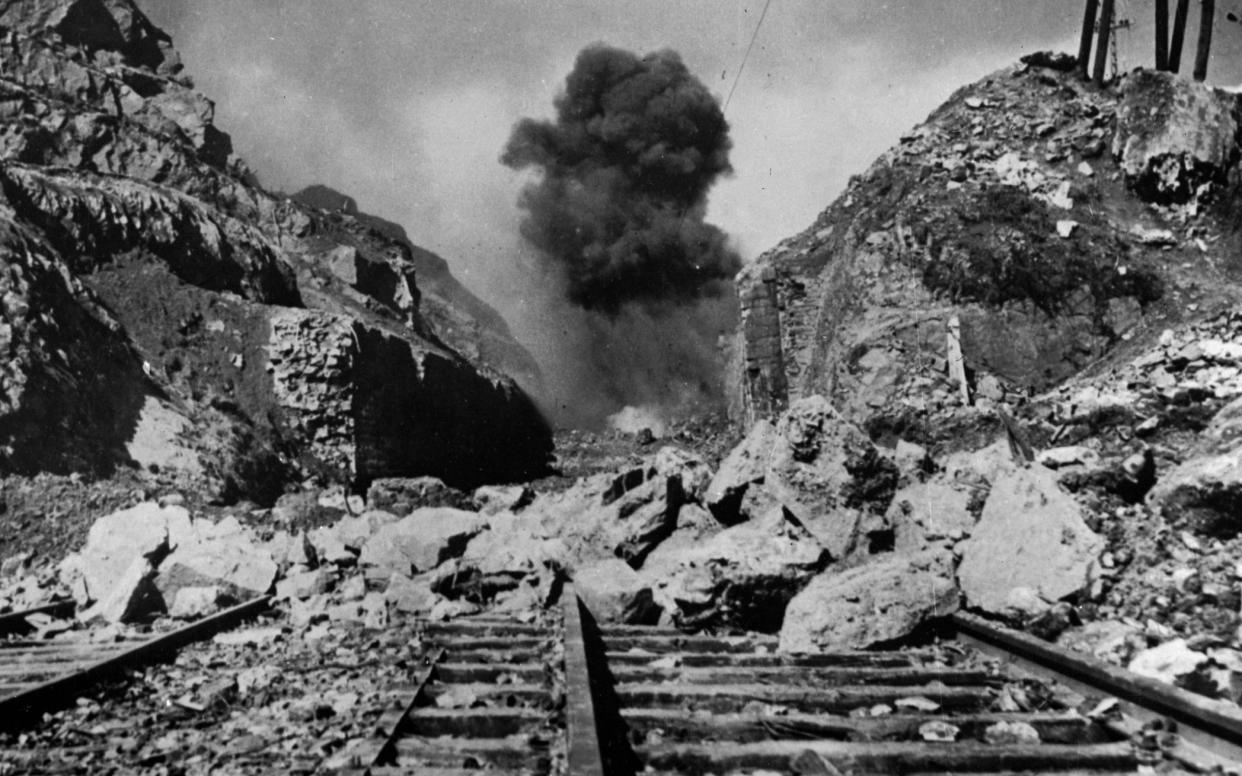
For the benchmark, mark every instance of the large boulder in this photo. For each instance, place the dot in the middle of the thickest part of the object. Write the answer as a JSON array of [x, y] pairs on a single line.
[[695, 526], [881, 600], [403, 495], [744, 466], [1173, 135], [115, 541], [513, 555], [691, 471], [625, 515], [1031, 538], [132, 597], [821, 468], [929, 512], [614, 592], [224, 555], [1205, 490], [741, 577], [421, 541]]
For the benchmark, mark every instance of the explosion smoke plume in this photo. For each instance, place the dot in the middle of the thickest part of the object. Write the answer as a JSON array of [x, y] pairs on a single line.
[[626, 168], [617, 218]]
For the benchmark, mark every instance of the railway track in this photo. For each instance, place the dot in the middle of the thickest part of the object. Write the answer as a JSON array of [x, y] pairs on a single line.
[[562, 695], [39, 675], [494, 696]]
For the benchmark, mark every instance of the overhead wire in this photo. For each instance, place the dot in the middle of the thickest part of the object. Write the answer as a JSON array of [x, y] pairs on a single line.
[[753, 36]]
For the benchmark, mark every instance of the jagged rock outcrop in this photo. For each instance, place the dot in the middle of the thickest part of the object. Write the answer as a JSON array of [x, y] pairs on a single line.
[[1003, 225], [159, 307], [1174, 138]]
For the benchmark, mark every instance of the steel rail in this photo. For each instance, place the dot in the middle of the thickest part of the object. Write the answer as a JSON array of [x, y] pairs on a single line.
[[18, 709], [15, 621], [1214, 726], [381, 751], [585, 752]]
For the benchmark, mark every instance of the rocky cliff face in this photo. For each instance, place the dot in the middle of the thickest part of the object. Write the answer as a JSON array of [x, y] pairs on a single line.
[[1034, 221], [159, 308]]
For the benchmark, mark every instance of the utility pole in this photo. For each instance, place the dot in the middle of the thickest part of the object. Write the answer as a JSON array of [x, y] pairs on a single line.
[[1101, 46], [1204, 50], [1179, 35], [1084, 45], [1162, 34]]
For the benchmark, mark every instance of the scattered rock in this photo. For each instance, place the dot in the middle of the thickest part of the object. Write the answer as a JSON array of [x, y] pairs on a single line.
[[1168, 662], [493, 499], [409, 596], [1010, 732], [1061, 457], [353, 531], [1205, 490], [402, 495], [303, 583]]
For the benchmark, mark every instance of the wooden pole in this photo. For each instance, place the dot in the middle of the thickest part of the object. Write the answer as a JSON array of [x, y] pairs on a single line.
[[1162, 34], [1084, 44], [1204, 50], [1179, 35], [1101, 46]]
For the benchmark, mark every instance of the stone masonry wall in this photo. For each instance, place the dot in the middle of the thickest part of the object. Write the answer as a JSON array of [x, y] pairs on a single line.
[[311, 356]]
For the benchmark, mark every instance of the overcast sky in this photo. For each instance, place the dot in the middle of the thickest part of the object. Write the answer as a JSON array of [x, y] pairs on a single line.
[[406, 104]]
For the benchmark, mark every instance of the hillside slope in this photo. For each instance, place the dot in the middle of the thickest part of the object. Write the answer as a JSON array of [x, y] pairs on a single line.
[[1055, 222], [160, 309]]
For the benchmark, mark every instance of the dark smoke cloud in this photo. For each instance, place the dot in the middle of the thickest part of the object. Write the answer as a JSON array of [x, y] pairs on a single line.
[[626, 167]]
